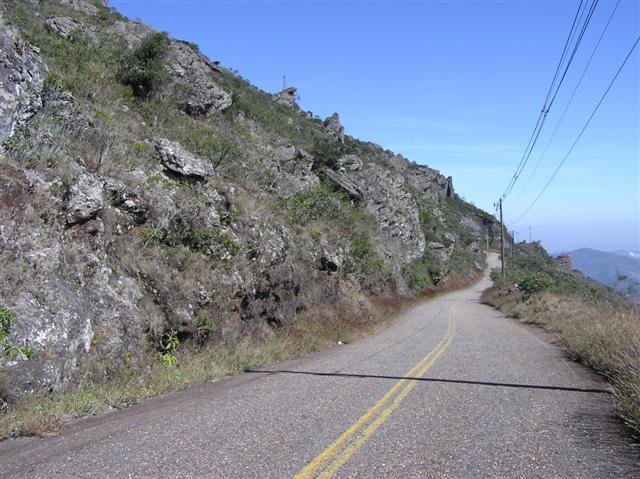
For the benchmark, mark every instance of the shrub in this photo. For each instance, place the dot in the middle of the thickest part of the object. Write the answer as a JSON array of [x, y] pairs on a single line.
[[416, 275], [374, 275], [536, 282], [143, 70], [327, 152]]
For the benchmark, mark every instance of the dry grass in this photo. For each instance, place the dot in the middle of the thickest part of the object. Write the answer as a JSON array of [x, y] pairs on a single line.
[[602, 335]]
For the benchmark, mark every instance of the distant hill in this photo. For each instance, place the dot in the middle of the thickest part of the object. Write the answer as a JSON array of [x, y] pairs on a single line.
[[618, 269]]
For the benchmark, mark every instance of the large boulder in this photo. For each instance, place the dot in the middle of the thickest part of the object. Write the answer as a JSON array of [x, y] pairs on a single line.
[[345, 184], [22, 75], [63, 26], [133, 31], [563, 263], [179, 161], [430, 183], [287, 97], [333, 127], [193, 84], [84, 199]]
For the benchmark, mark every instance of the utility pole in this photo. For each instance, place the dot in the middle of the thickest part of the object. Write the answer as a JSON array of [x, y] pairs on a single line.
[[529, 234], [501, 237], [513, 245]]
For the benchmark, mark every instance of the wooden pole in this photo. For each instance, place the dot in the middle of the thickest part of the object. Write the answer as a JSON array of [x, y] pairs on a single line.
[[501, 238]]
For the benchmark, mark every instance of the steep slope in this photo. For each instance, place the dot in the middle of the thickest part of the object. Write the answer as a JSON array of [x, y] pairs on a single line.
[[611, 268], [150, 195]]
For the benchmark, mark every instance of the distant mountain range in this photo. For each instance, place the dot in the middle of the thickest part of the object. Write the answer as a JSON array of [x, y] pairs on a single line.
[[618, 269]]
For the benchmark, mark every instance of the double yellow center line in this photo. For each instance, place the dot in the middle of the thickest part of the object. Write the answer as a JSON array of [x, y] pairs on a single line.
[[327, 463]]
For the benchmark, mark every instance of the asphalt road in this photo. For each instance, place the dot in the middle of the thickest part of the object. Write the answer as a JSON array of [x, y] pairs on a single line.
[[489, 398]]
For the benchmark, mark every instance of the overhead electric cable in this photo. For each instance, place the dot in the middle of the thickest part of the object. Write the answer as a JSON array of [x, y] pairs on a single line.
[[555, 131], [577, 17], [554, 89], [564, 159]]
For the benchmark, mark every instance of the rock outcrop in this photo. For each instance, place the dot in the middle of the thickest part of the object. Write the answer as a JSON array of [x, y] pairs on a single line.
[[84, 199], [179, 161], [334, 128], [63, 26], [563, 263], [394, 207], [193, 86], [287, 97], [22, 75]]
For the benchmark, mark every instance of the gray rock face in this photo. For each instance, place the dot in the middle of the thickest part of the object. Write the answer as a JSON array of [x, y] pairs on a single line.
[[350, 163], [194, 87], [84, 199], [59, 284], [133, 31], [63, 26], [394, 208], [333, 126], [84, 6], [22, 75], [563, 263], [295, 168], [344, 183], [287, 97], [430, 183], [178, 160]]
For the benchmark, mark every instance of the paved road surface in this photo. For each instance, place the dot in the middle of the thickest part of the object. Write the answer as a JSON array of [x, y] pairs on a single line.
[[490, 398]]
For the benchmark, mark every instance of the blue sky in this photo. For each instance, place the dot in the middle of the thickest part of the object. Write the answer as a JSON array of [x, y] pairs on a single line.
[[456, 86]]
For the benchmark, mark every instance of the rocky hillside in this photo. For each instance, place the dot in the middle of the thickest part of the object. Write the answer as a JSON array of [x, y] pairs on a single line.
[[146, 190]]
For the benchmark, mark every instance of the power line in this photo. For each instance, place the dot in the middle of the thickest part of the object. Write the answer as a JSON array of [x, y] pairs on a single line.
[[553, 81], [580, 134], [555, 131], [547, 107], [553, 88]]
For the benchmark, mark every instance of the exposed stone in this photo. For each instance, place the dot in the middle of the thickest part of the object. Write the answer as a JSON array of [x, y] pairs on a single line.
[[84, 199], [84, 6], [333, 126], [348, 186], [440, 250], [63, 26], [287, 97], [293, 167], [563, 263], [178, 160], [430, 183], [22, 75], [193, 86], [394, 207], [350, 163], [132, 31]]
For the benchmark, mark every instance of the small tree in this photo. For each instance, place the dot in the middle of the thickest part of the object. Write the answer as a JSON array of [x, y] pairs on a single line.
[[143, 69]]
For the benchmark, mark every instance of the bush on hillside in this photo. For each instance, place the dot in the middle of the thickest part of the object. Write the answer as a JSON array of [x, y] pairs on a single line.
[[143, 69], [536, 282]]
